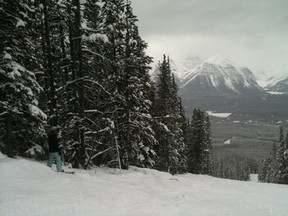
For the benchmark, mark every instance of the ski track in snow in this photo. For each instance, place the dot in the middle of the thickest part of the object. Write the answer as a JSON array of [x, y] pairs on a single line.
[[31, 188]]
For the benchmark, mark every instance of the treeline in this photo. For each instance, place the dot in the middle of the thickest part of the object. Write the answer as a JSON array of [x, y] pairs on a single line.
[[82, 66], [274, 169], [232, 166]]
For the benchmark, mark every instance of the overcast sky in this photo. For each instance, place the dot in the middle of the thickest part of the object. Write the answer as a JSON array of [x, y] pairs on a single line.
[[252, 33]]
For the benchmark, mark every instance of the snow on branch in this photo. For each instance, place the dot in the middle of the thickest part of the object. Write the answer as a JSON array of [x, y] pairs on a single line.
[[93, 111], [96, 83], [96, 36], [102, 152], [36, 111], [34, 150], [97, 54]]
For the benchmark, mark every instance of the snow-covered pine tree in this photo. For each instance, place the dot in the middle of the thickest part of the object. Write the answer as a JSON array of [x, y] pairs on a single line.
[[95, 77], [271, 170], [169, 122], [274, 169], [79, 84], [199, 143], [127, 78], [23, 120], [262, 171], [59, 77], [85, 124], [179, 128], [207, 161], [183, 122], [282, 159], [286, 141], [231, 166], [99, 126], [51, 22]]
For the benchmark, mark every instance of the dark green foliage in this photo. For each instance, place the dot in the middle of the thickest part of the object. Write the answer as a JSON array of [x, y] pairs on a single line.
[[267, 170], [170, 122], [93, 72], [199, 143], [84, 64], [22, 126], [232, 167], [275, 168], [127, 78], [282, 159]]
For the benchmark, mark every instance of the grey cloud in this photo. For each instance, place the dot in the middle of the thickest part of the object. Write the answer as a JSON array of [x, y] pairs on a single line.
[[254, 32], [212, 16]]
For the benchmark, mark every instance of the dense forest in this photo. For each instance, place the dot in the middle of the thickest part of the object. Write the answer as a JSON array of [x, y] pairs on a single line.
[[81, 65], [274, 169]]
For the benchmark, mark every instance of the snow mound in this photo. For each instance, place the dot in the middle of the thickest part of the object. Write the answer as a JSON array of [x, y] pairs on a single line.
[[31, 188]]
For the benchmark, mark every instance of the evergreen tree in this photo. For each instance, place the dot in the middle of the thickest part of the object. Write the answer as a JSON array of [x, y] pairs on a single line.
[[199, 143], [169, 116], [127, 78], [232, 166], [274, 169], [282, 159], [92, 67], [23, 120]]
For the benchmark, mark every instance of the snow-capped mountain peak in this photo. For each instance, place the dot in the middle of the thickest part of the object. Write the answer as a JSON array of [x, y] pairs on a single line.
[[183, 67], [216, 74], [280, 86], [221, 61], [220, 74]]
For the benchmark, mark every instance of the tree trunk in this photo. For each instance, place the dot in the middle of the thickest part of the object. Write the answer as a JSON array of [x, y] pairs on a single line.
[[9, 141], [80, 88], [48, 54]]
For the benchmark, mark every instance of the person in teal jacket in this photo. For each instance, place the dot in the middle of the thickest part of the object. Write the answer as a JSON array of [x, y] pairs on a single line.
[[54, 150]]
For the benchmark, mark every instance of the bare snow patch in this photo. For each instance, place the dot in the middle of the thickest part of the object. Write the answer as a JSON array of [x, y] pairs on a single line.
[[227, 142], [275, 93], [220, 115], [254, 177]]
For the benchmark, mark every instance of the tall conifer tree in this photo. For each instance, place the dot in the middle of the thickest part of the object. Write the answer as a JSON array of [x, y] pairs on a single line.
[[282, 159], [23, 120], [199, 143], [169, 121]]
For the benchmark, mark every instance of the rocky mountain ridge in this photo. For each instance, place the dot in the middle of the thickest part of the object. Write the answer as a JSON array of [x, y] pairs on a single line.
[[220, 85], [222, 76]]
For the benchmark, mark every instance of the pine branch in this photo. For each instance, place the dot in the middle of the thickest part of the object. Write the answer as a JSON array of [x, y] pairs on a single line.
[[102, 152], [97, 54]]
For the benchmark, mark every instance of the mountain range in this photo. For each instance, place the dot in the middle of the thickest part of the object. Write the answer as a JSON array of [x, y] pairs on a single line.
[[219, 75], [280, 86], [218, 84]]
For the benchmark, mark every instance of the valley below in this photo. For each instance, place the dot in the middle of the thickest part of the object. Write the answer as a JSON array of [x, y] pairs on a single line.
[[251, 138], [249, 115], [261, 107]]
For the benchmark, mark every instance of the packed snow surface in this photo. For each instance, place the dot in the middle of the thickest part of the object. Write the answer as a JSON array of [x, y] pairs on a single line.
[[31, 188]]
